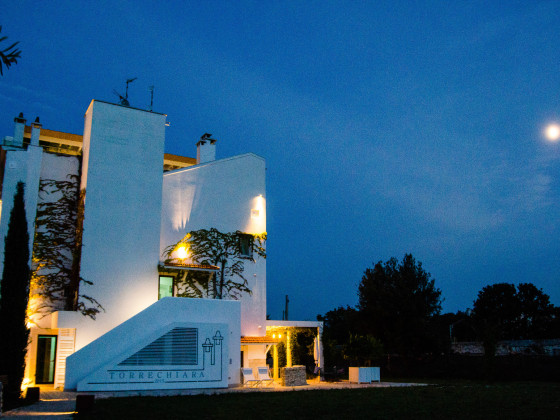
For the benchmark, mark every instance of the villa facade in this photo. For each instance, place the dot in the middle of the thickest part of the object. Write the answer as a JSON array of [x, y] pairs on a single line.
[[135, 202]]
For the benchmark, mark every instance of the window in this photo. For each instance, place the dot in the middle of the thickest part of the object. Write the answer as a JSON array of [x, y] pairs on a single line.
[[246, 245], [165, 286]]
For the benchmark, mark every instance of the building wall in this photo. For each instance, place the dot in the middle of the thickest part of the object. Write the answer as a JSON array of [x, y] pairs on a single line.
[[58, 168], [119, 341], [122, 177], [221, 194]]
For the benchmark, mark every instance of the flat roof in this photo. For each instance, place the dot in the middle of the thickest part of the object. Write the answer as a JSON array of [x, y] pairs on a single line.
[[68, 143]]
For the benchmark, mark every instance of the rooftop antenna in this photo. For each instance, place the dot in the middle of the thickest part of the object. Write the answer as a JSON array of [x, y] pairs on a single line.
[[151, 89], [123, 100]]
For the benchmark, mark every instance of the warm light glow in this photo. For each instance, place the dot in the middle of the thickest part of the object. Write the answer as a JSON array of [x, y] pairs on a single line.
[[182, 252], [273, 335], [34, 314], [25, 383], [279, 335], [257, 216], [552, 132]]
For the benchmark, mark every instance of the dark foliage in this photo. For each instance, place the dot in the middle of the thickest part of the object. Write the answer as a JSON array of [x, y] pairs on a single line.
[[502, 312], [397, 302], [363, 350], [55, 280], [338, 325], [454, 366], [302, 346], [8, 55], [224, 250], [14, 294]]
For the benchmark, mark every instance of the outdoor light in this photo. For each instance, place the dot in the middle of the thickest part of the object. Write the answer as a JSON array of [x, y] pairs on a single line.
[[182, 252]]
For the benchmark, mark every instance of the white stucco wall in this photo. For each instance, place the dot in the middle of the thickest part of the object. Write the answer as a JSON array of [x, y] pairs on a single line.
[[136, 331], [122, 175], [221, 194], [59, 168]]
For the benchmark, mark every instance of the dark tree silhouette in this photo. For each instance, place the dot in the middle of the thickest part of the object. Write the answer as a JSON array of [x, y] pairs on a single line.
[[8, 55], [14, 294], [502, 312], [396, 302], [339, 324]]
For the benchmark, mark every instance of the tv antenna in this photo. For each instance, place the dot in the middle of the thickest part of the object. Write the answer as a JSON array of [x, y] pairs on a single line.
[[123, 100], [151, 89]]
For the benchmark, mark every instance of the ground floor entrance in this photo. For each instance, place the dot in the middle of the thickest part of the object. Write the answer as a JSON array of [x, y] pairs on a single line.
[[46, 359]]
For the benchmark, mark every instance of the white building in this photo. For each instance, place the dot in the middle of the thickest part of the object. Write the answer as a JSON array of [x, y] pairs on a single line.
[[136, 202]]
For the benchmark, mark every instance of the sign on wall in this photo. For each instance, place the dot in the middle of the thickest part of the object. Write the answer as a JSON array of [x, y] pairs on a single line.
[[178, 356]]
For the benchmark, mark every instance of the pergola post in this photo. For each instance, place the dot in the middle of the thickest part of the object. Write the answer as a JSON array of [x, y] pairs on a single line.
[[320, 361], [288, 349], [275, 361]]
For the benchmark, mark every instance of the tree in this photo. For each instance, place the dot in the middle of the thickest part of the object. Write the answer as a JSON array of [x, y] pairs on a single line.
[[8, 55], [56, 277], [14, 294], [362, 350], [536, 313], [228, 251], [396, 302], [338, 325], [502, 312]]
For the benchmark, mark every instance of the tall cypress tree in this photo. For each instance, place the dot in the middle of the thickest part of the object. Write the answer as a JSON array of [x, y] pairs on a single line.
[[14, 295]]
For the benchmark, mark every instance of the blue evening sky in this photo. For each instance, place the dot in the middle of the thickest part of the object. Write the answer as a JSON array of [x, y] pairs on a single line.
[[388, 127]]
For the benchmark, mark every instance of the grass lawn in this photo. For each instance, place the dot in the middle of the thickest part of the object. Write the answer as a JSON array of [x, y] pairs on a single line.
[[457, 400]]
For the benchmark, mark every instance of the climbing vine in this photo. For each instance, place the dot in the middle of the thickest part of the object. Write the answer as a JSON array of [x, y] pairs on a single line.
[[226, 251], [55, 279]]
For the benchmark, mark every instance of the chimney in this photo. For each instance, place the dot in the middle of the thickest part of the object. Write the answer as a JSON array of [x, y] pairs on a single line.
[[35, 131], [205, 149], [18, 131]]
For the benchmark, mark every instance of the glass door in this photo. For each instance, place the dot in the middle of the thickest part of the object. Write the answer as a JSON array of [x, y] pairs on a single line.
[[46, 356]]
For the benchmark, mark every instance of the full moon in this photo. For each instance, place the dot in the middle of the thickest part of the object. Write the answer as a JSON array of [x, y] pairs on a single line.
[[552, 132]]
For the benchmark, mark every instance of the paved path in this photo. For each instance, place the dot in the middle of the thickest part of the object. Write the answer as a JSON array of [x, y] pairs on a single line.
[[55, 405]]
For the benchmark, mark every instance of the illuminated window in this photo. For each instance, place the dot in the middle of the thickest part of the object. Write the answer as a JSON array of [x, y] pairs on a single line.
[[165, 286], [246, 245]]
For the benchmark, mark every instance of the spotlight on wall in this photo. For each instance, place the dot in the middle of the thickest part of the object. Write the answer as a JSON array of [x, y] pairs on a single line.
[[182, 252]]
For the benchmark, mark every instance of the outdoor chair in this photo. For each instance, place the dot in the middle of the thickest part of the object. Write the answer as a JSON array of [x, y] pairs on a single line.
[[263, 375], [249, 379]]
